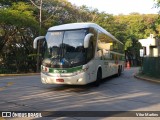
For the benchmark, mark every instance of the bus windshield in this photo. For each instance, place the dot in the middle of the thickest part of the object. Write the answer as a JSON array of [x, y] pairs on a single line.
[[64, 48]]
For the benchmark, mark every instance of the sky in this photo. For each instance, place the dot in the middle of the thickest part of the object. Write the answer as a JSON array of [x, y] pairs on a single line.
[[116, 7]]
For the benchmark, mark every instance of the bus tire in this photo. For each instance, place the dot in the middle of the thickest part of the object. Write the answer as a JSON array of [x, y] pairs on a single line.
[[98, 79], [119, 72]]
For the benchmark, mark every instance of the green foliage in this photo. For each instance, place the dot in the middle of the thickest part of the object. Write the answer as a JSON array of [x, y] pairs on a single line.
[[19, 19], [18, 15], [128, 44], [19, 25], [10, 2]]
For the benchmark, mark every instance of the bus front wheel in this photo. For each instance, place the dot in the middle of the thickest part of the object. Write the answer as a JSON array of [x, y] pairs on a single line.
[[98, 79]]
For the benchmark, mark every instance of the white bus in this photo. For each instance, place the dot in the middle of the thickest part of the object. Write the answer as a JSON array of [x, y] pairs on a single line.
[[79, 53]]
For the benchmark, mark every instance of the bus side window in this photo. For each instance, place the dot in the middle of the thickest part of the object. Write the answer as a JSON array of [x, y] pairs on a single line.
[[104, 41], [43, 48], [93, 38]]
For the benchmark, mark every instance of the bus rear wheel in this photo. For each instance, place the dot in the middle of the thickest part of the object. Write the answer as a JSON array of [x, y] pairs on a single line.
[[119, 72]]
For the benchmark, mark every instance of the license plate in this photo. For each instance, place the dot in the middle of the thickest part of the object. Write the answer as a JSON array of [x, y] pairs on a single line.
[[59, 80]]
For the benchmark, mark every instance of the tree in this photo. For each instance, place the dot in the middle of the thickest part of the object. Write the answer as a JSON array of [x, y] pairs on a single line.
[[18, 27], [132, 28]]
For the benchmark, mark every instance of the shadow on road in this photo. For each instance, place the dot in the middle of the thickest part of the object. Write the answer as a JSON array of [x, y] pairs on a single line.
[[79, 88], [124, 93]]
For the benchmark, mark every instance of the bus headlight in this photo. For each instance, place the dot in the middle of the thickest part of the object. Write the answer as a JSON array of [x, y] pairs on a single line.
[[43, 80], [78, 72], [80, 79], [85, 68]]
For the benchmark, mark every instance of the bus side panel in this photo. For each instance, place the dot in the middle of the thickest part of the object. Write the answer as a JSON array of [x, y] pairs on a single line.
[[92, 71]]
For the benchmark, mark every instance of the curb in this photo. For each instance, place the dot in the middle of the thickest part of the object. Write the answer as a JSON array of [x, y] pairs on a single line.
[[24, 74], [145, 78]]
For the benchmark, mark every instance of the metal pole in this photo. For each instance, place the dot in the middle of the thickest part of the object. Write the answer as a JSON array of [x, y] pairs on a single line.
[[40, 25], [40, 15]]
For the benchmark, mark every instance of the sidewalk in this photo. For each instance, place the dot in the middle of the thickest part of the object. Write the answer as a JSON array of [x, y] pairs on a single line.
[[22, 74], [145, 77]]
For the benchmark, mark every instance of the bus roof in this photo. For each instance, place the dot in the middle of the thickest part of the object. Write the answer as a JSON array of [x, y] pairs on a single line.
[[72, 26]]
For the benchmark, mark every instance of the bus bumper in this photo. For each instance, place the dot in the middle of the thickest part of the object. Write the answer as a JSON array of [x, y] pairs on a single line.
[[79, 79]]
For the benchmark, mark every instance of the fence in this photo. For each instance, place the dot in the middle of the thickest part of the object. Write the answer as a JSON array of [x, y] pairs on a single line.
[[151, 66], [6, 70]]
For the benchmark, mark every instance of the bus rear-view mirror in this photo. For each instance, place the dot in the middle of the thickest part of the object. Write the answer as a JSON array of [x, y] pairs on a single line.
[[86, 39], [36, 40]]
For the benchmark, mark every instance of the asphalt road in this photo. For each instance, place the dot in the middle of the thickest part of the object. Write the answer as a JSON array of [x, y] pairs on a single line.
[[124, 93]]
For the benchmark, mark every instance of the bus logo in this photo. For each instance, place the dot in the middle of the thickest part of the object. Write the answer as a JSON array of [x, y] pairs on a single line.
[[60, 71], [56, 71]]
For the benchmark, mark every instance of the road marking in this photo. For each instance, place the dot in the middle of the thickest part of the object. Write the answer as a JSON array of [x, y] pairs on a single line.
[[6, 78], [8, 84]]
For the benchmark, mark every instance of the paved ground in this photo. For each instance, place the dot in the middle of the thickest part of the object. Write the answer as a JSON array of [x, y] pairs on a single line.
[[124, 93]]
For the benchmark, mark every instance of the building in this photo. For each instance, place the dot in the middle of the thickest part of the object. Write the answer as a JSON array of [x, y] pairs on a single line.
[[151, 46]]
